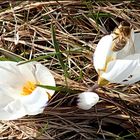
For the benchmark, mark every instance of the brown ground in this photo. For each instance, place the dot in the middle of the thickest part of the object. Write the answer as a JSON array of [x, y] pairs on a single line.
[[79, 26]]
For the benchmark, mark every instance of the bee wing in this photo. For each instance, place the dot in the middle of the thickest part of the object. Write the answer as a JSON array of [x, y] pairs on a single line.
[[124, 71]]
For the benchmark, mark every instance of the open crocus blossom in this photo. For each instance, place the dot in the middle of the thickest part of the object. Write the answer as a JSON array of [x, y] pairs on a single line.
[[121, 66], [19, 92]]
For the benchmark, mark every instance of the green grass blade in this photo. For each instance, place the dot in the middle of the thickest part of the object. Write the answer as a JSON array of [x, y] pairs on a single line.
[[51, 87], [59, 88], [58, 52]]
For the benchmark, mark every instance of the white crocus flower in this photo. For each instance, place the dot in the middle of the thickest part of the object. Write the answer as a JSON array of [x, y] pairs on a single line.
[[118, 67], [18, 91]]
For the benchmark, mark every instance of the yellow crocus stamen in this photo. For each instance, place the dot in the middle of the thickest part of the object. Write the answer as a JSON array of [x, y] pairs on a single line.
[[102, 81], [28, 88], [109, 59]]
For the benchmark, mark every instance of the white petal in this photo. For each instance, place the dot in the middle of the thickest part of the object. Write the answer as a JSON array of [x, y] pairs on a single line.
[[5, 115], [27, 71], [86, 100], [10, 107], [10, 74], [44, 77], [14, 110], [5, 98], [125, 71], [35, 102], [8, 91], [137, 42], [103, 52]]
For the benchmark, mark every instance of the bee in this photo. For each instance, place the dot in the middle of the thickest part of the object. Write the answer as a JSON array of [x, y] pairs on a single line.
[[121, 36]]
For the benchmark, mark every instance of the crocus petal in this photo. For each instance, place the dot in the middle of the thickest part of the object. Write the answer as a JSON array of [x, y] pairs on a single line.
[[137, 42], [27, 71], [5, 99], [9, 92], [5, 115], [125, 71], [44, 77], [10, 74], [14, 110], [10, 108], [86, 100], [35, 102], [103, 52]]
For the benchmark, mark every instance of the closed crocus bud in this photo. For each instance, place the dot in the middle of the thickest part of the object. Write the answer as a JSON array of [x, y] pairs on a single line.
[[122, 66], [87, 100], [19, 92]]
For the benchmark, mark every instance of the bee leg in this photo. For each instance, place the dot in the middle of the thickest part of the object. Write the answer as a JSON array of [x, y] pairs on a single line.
[[115, 38]]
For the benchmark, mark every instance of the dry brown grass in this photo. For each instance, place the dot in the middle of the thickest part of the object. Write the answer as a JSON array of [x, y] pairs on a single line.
[[79, 26]]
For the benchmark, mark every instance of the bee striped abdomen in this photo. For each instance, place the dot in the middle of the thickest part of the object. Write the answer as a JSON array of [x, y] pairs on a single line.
[[118, 44]]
